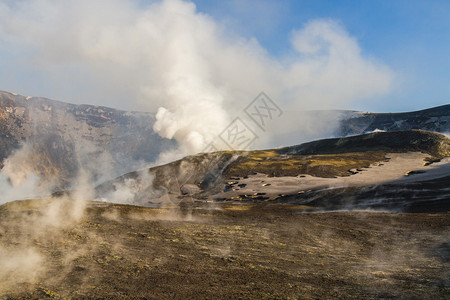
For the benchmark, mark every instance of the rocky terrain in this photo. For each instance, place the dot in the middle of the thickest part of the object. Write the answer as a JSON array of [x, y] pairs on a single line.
[[326, 174], [63, 138]]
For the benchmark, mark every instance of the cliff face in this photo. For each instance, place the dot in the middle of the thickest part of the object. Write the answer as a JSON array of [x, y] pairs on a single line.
[[64, 138]]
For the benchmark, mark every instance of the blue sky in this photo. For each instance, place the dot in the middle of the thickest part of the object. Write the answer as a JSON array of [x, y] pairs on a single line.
[[410, 36]]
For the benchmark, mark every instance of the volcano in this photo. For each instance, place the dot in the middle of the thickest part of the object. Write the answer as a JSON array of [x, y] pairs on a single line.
[[360, 216]]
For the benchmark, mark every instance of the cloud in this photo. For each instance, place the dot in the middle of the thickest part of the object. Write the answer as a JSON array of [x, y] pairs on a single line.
[[331, 67], [169, 58]]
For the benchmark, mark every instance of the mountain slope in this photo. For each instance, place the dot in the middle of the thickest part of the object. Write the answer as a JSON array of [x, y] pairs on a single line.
[[59, 141], [270, 175], [63, 138]]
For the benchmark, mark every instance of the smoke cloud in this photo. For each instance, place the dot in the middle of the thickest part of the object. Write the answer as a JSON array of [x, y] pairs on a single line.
[[18, 179], [169, 58]]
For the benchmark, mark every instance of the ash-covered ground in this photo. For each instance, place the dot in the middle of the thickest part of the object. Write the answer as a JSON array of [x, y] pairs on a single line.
[[221, 251]]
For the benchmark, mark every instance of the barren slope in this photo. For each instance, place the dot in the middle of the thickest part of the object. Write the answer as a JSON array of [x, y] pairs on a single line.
[[270, 252], [280, 174]]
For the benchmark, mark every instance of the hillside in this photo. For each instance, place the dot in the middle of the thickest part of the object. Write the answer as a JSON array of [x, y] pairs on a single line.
[[58, 139], [277, 174]]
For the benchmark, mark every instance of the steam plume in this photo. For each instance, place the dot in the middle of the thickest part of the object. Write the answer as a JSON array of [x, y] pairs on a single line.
[[168, 57]]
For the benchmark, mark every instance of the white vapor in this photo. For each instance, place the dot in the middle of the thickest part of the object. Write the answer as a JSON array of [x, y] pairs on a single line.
[[18, 179], [169, 58]]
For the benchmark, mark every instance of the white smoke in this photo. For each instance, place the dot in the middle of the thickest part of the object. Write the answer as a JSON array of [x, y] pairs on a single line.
[[125, 192], [24, 189], [168, 57], [18, 179]]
